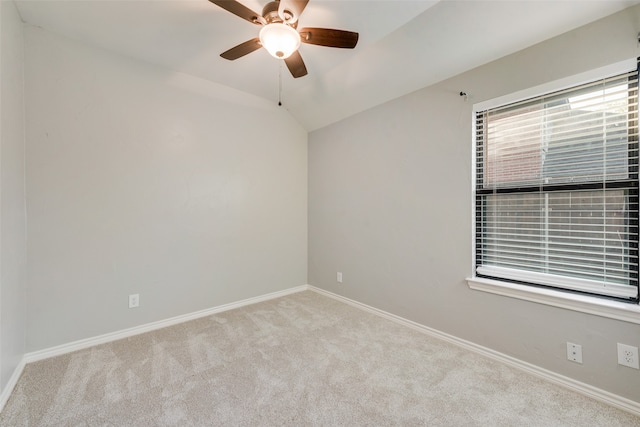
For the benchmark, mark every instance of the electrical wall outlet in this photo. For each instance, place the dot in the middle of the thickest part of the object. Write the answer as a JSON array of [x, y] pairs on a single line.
[[628, 356], [134, 300], [339, 277], [574, 352]]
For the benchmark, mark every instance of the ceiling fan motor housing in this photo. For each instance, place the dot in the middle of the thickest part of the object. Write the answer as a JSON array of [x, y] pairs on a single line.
[[271, 15]]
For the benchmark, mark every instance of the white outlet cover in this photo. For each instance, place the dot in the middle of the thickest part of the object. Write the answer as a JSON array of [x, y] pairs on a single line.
[[628, 356], [134, 300], [574, 352]]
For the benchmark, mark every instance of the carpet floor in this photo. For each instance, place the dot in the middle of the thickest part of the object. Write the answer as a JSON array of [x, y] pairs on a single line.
[[303, 359]]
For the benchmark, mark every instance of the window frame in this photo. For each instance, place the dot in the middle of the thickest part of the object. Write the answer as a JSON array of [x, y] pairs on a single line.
[[599, 305]]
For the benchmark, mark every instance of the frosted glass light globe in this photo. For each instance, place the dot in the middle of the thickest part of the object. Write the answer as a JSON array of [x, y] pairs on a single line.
[[280, 40]]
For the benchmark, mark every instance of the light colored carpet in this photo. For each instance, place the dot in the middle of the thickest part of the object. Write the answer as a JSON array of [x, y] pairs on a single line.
[[303, 359]]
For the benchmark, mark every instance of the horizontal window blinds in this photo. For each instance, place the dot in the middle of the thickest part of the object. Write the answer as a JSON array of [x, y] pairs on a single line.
[[557, 189]]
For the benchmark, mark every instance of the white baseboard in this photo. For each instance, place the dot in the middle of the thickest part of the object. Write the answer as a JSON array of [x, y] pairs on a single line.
[[604, 396], [113, 336], [125, 333], [571, 384], [8, 389]]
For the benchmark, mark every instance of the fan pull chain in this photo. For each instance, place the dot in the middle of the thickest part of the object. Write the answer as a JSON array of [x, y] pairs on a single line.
[[280, 84]]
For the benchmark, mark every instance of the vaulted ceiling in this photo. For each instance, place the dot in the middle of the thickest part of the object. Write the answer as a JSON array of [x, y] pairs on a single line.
[[404, 45]]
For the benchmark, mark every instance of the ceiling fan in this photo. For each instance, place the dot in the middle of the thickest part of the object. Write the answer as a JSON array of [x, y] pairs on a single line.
[[279, 33]]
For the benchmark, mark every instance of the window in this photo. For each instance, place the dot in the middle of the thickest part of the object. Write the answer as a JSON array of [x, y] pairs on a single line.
[[556, 189]]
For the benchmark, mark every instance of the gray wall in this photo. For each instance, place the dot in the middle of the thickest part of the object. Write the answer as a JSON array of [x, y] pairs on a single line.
[[390, 207], [12, 194], [140, 180]]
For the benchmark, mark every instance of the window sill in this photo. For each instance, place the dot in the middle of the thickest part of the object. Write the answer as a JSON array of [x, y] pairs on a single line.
[[582, 303]]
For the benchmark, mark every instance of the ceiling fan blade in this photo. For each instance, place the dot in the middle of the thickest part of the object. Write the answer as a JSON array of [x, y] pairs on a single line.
[[328, 37], [295, 64], [242, 49], [240, 10], [290, 10]]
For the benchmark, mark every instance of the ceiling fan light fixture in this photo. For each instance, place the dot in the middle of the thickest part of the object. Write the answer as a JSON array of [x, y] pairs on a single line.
[[279, 39]]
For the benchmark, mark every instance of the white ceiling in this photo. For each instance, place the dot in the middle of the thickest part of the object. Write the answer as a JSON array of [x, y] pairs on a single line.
[[404, 44]]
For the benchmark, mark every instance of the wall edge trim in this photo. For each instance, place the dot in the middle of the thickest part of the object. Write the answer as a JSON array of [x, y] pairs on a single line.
[[584, 389], [11, 384], [152, 326]]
